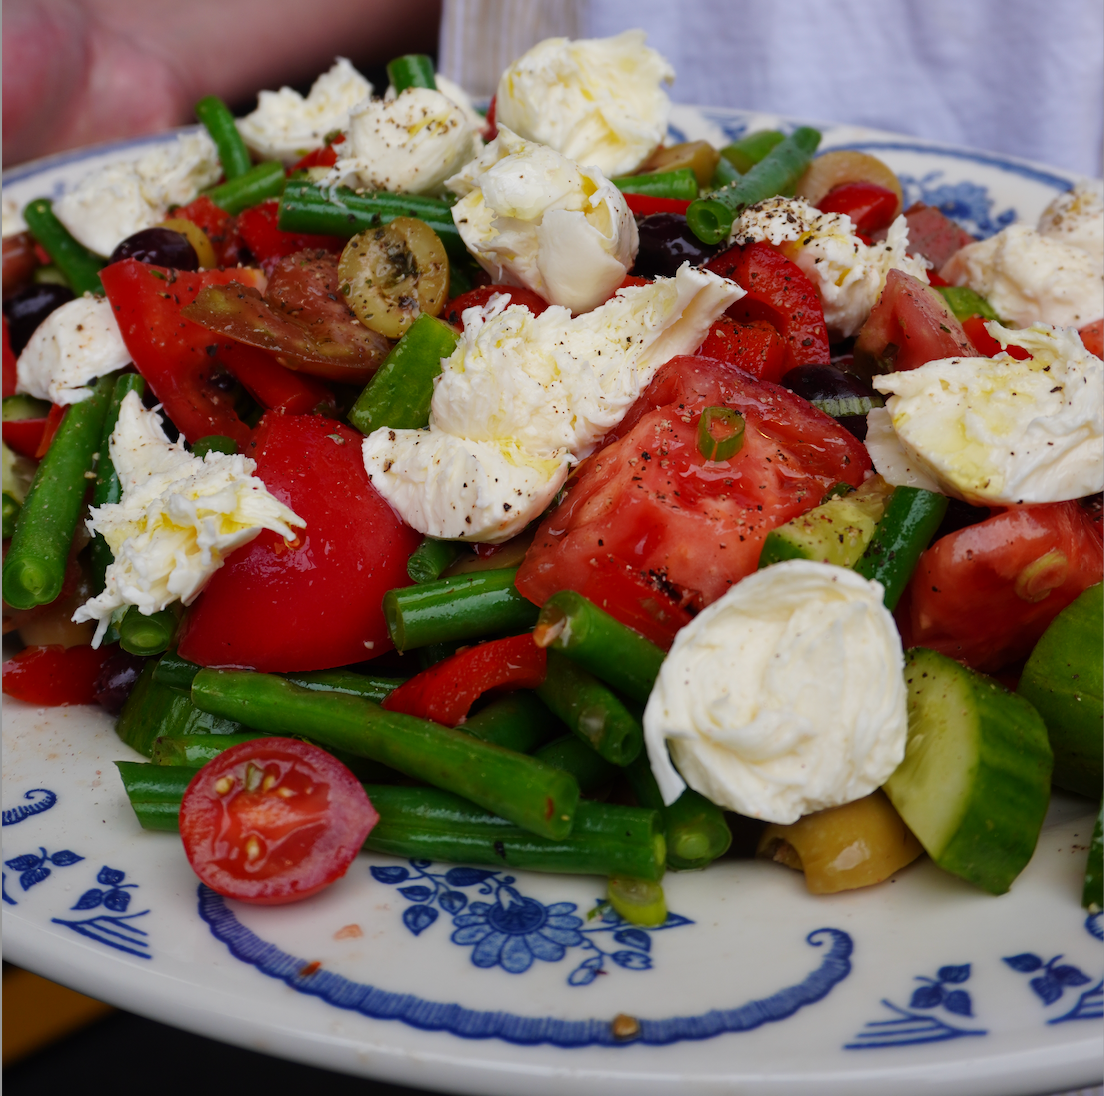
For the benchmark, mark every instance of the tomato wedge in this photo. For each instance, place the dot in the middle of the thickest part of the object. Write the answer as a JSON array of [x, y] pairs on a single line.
[[55, 675], [273, 820], [258, 227], [755, 347]]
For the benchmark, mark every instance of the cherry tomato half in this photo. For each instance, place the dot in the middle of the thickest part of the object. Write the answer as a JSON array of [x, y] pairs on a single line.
[[273, 820], [55, 675]]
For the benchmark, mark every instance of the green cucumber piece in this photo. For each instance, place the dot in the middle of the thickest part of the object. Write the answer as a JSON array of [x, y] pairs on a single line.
[[975, 780], [20, 406], [1092, 897], [836, 532], [1064, 679]]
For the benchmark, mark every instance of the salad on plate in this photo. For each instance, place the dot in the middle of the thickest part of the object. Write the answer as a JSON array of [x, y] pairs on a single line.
[[532, 490]]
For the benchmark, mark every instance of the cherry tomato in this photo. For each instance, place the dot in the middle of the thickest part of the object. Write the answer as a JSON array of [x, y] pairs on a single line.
[[273, 820], [24, 436], [985, 594], [316, 602], [55, 675], [870, 207], [453, 311]]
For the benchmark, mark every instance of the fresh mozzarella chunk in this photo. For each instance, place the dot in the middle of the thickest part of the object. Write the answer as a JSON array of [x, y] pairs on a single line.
[[454, 93], [74, 345], [524, 396], [848, 274], [997, 431], [784, 697], [533, 218], [599, 101], [409, 145], [286, 126], [1077, 218], [178, 519], [115, 201]]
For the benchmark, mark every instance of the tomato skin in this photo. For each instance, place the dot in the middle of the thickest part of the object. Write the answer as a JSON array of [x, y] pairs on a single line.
[[24, 436], [268, 243], [933, 234], [779, 292], [985, 594], [1092, 335], [305, 828], [870, 207], [447, 690], [171, 352], [318, 602], [453, 311], [985, 343], [755, 347], [648, 516], [644, 205], [10, 373], [55, 675]]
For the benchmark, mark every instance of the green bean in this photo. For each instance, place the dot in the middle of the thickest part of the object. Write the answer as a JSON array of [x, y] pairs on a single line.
[[610, 650], [214, 443], [463, 607], [196, 749], [145, 635], [340, 211], [107, 487], [80, 266], [911, 519], [433, 653], [12, 506], [681, 184], [965, 302], [696, 830], [375, 687], [710, 219], [412, 70], [400, 391], [591, 710], [517, 721], [532, 795], [265, 180], [175, 672], [724, 174], [745, 153], [575, 756], [34, 567], [219, 123], [426, 823], [430, 558]]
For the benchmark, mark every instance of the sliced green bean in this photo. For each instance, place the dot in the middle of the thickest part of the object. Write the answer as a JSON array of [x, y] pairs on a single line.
[[710, 219], [266, 180], [696, 830], [463, 607], [107, 487], [610, 650], [34, 567], [147, 635], [517, 721], [745, 153], [681, 184], [80, 266], [156, 791], [196, 749], [400, 391], [175, 672], [911, 519], [430, 558], [12, 506], [375, 687], [639, 901], [219, 123], [724, 174], [412, 70], [591, 710], [530, 794], [214, 443], [575, 756]]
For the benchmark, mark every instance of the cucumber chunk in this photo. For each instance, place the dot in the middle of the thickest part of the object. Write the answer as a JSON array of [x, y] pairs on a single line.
[[1064, 680], [974, 784], [1092, 897]]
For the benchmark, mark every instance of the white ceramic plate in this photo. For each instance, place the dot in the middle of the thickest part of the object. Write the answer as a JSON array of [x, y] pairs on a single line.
[[485, 982]]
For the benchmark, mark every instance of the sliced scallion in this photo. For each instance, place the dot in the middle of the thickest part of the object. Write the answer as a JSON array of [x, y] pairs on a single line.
[[720, 433]]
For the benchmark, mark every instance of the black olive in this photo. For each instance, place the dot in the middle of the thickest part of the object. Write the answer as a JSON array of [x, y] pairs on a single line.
[[666, 242], [159, 246], [844, 396], [116, 679], [28, 307]]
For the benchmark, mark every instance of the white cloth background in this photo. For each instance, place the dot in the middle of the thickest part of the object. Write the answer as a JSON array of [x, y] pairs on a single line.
[[1022, 77]]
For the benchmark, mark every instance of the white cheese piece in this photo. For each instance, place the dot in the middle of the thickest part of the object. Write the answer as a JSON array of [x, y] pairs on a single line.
[[12, 217], [286, 126], [115, 201], [409, 145], [178, 519], [599, 101], [523, 396], [997, 431], [454, 93], [784, 697], [74, 345], [1077, 218], [1031, 278], [849, 275], [533, 218]]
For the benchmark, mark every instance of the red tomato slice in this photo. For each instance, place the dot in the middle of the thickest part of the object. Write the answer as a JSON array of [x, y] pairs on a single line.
[[490, 130], [1092, 335], [985, 594], [649, 505], [273, 820], [447, 690], [755, 347], [55, 675], [10, 374], [272, 385], [49, 429], [985, 343], [317, 602], [172, 353], [870, 207], [934, 235], [478, 298], [24, 435], [779, 292], [269, 244]]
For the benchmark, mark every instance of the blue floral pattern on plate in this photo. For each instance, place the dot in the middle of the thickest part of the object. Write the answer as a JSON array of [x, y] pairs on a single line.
[[34, 806]]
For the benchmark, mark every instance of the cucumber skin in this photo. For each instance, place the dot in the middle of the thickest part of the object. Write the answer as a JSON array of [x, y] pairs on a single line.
[[1063, 680], [1092, 897], [1011, 786]]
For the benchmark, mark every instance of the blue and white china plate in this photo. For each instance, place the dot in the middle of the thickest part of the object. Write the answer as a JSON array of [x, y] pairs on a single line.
[[493, 982]]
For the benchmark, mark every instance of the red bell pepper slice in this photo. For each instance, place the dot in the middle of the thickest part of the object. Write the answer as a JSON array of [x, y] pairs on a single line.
[[870, 207], [985, 343], [55, 675], [49, 429], [174, 354], [641, 205], [268, 243], [9, 363], [274, 387], [23, 436], [320, 157], [445, 692], [755, 347]]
